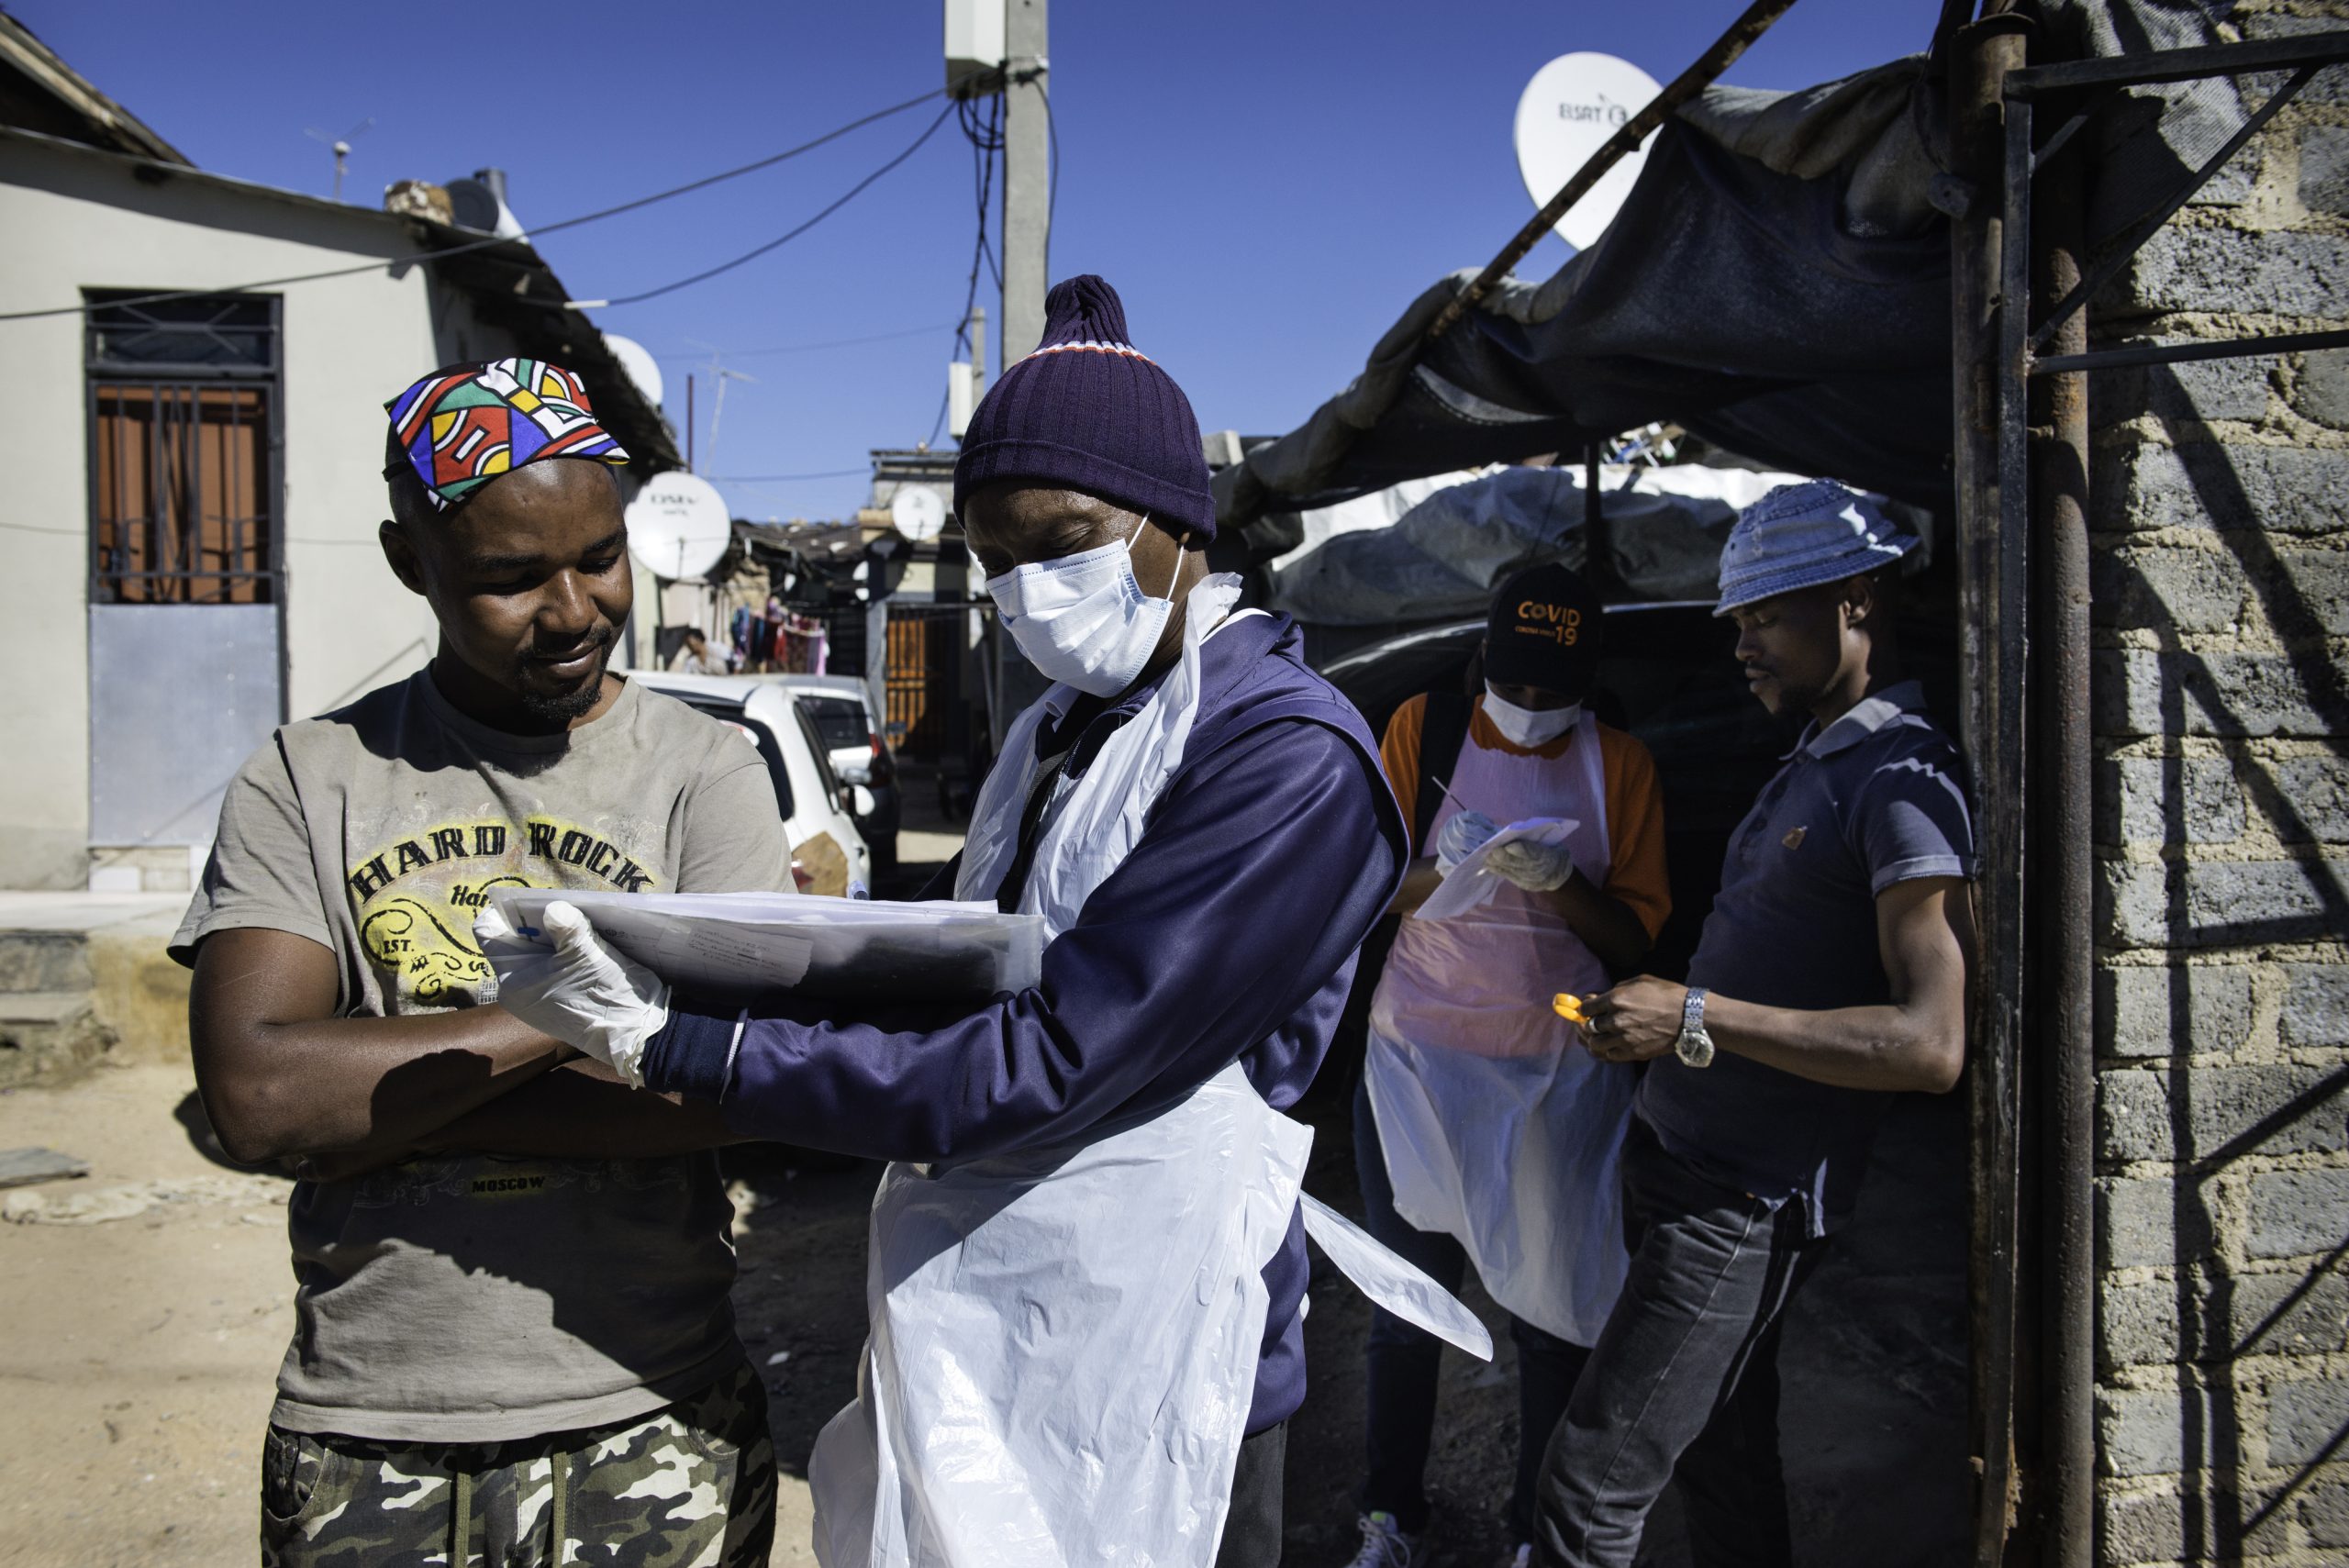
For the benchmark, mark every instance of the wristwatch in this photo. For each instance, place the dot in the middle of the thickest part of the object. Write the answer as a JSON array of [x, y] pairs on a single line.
[[1694, 1047]]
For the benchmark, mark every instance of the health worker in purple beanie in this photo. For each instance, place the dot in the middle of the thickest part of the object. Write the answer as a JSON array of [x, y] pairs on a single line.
[[1088, 1267]]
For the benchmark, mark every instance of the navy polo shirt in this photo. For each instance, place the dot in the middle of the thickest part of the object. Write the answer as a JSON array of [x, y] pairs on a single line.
[[1872, 800]]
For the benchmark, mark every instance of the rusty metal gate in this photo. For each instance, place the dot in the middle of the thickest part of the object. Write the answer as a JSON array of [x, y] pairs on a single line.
[[186, 561], [929, 685]]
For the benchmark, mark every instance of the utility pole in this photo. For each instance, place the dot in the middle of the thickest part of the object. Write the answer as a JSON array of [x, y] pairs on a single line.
[[1027, 177], [979, 352]]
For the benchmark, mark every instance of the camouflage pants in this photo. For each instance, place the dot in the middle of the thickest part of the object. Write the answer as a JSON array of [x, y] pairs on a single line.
[[688, 1487]]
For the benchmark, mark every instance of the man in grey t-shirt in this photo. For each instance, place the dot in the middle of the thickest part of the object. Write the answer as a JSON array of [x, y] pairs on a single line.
[[513, 1331]]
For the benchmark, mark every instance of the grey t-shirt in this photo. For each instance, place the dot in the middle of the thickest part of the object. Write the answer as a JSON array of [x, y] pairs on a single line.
[[472, 1298]]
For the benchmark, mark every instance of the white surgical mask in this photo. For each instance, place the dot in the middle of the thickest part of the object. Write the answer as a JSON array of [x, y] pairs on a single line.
[[1528, 727], [1083, 619]]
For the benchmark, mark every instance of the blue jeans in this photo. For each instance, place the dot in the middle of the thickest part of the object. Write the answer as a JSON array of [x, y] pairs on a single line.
[[1400, 1397], [1683, 1380]]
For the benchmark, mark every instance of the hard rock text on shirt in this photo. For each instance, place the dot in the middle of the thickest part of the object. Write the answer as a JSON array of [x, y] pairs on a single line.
[[415, 898]]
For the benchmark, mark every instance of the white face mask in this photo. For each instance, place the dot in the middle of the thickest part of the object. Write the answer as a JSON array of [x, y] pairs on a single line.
[[1528, 727], [1083, 619]]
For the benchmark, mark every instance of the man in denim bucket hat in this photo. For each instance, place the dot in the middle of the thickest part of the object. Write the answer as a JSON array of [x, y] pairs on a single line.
[[1831, 975], [1800, 536]]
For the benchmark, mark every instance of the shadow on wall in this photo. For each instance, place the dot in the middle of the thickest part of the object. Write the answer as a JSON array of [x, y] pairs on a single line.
[[2227, 1506]]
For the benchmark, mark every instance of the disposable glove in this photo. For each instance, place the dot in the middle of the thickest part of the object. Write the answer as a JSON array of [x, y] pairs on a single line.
[[1537, 868], [571, 985], [1461, 837]]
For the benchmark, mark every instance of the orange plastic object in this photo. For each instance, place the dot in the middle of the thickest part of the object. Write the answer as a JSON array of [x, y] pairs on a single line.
[[1569, 1007]]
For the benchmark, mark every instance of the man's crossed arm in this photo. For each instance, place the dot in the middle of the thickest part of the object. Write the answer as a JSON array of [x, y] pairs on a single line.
[[284, 1079]]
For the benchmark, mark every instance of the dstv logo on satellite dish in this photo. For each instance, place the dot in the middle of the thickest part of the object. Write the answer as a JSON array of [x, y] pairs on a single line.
[[678, 526], [1604, 112]]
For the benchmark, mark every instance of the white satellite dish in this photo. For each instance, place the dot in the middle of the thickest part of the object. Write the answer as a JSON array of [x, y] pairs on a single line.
[[1570, 108], [678, 526], [918, 512], [643, 372]]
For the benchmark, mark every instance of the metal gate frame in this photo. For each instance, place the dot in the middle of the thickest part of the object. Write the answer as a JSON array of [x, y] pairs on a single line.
[[2020, 449], [97, 373], [937, 733]]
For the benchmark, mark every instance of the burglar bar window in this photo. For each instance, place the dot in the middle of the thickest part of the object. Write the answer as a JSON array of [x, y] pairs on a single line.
[[183, 459]]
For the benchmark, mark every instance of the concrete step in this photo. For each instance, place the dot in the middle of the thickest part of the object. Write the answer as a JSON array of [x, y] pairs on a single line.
[[85, 975], [49, 1035], [44, 961]]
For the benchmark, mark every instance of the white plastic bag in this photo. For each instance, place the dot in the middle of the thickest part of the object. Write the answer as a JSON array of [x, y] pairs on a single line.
[[1516, 1157], [1469, 884], [1392, 1282], [1044, 1383]]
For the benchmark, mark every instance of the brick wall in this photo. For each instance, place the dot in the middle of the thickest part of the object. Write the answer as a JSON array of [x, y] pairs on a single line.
[[2222, 720]]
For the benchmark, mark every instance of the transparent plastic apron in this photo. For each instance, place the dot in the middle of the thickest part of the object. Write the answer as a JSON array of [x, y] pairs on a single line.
[[1064, 1340], [1499, 1129]]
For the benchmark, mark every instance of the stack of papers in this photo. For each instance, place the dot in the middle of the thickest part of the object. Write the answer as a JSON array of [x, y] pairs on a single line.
[[747, 944]]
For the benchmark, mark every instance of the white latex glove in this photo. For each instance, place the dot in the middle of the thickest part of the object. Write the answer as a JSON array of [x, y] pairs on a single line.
[[1537, 868], [1461, 837], [569, 984]]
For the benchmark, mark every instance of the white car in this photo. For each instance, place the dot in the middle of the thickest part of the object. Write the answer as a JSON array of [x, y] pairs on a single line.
[[827, 854], [852, 737], [844, 720]]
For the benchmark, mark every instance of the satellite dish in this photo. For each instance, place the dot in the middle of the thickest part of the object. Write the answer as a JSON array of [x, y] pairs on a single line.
[[918, 512], [642, 373], [678, 526], [1570, 108], [480, 203]]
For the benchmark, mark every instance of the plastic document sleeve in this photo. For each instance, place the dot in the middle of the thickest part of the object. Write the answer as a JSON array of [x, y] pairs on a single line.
[[744, 944]]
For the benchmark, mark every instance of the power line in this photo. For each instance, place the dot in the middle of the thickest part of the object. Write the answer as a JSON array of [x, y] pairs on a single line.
[[751, 255], [431, 258], [985, 129], [944, 399], [784, 478], [1052, 175], [827, 343]]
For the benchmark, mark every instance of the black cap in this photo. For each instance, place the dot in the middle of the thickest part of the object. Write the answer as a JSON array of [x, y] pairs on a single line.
[[1543, 631]]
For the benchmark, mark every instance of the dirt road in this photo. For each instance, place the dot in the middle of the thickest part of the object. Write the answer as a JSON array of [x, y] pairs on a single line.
[[140, 1353], [142, 1350]]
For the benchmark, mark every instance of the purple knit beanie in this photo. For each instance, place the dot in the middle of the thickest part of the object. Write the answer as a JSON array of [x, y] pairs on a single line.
[[1087, 410]]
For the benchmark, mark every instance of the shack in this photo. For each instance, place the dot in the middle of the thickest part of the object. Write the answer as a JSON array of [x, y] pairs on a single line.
[[2076, 279]]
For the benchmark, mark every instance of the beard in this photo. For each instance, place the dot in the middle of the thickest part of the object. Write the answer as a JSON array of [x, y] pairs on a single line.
[[560, 709]]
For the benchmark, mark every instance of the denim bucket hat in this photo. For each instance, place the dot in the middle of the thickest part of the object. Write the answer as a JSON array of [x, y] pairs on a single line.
[[1800, 536]]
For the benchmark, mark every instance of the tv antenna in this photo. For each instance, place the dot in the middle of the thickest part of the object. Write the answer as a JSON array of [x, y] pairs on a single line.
[[341, 148], [720, 375]]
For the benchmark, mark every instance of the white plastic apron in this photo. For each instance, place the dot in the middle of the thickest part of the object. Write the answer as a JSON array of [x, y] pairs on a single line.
[[1063, 1341], [1499, 1129]]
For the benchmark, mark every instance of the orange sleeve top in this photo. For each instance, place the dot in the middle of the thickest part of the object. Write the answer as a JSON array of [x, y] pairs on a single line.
[[1635, 874]]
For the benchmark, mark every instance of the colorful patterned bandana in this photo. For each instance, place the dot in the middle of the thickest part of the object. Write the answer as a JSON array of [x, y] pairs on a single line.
[[462, 428]]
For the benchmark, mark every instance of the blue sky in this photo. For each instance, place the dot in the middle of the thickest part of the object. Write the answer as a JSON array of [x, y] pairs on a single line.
[[1267, 183]]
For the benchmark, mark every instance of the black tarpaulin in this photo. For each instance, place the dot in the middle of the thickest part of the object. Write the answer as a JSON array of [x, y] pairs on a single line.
[[1777, 283]]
